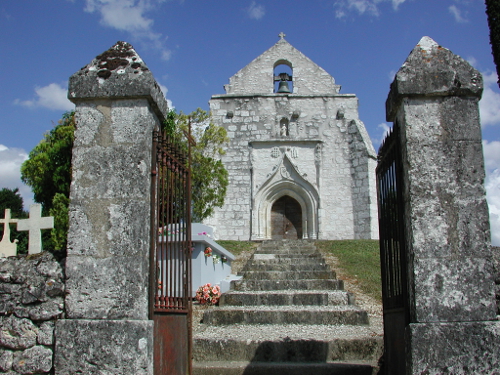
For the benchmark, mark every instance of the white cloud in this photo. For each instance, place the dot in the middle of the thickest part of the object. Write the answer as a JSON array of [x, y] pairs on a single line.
[[385, 130], [256, 11], [166, 54], [489, 106], [492, 183], [472, 60], [457, 14], [395, 3], [392, 75], [10, 170], [125, 15], [164, 89], [131, 16], [370, 7], [52, 96]]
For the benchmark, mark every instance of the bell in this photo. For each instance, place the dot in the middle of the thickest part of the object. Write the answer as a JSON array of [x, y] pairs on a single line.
[[283, 87]]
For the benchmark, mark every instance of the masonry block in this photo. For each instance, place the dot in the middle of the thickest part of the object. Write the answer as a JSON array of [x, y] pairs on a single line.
[[114, 347], [107, 288], [459, 348]]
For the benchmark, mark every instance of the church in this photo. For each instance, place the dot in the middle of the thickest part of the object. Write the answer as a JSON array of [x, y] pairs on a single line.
[[301, 164]]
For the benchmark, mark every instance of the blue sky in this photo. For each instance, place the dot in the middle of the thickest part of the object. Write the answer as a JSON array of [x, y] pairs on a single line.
[[194, 46]]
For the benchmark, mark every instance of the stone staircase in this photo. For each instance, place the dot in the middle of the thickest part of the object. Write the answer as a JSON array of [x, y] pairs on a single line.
[[287, 315]]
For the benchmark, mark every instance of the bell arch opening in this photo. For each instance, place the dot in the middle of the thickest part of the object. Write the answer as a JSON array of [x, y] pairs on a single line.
[[283, 77]]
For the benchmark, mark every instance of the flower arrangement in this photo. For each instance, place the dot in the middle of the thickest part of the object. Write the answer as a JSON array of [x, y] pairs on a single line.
[[208, 294], [208, 252], [223, 259], [216, 259]]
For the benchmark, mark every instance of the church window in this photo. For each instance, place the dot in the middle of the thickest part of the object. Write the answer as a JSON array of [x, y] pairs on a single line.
[[283, 75]]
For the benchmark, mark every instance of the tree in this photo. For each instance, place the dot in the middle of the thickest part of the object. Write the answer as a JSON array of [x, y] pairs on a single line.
[[209, 177], [48, 168], [493, 12], [11, 198], [48, 172]]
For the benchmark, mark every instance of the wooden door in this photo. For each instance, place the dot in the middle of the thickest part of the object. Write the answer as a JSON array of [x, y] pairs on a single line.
[[286, 219]]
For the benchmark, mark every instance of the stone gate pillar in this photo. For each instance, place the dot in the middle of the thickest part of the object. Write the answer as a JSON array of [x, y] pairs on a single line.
[[106, 330], [453, 325]]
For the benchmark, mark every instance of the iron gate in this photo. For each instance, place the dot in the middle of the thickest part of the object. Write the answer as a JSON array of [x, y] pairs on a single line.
[[392, 252], [170, 301]]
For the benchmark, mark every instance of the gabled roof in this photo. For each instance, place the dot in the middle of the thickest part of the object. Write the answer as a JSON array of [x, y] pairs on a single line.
[[258, 76]]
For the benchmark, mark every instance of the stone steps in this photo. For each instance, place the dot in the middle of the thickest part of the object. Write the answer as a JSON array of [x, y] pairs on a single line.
[[288, 275], [284, 298], [286, 257], [276, 368], [294, 253], [270, 285], [287, 315], [293, 343], [288, 266]]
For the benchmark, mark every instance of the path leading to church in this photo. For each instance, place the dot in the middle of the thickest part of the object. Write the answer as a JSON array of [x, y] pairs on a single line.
[[288, 315]]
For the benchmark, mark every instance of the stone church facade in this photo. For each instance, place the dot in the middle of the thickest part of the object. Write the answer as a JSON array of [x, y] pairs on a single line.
[[300, 163]]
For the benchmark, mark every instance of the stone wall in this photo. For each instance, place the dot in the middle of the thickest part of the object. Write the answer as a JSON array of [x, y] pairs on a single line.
[[324, 160], [31, 300]]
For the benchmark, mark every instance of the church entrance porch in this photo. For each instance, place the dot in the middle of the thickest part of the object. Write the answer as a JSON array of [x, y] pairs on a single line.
[[286, 219], [285, 210]]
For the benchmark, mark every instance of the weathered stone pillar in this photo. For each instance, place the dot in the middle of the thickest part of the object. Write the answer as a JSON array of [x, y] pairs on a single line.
[[106, 330], [453, 325]]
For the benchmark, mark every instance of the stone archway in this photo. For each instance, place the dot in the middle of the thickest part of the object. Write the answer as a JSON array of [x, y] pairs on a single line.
[[307, 203], [286, 219]]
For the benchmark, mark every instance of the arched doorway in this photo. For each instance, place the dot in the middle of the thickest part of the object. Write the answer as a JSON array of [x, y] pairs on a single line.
[[286, 219]]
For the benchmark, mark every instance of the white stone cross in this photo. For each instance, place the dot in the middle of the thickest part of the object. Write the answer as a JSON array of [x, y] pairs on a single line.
[[34, 225], [7, 248], [282, 35]]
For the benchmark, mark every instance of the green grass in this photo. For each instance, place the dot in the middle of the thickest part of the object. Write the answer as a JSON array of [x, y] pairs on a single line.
[[360, 260], [237, 247]]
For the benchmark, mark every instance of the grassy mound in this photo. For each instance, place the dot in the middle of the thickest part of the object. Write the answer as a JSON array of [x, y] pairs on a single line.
[[360, 259]]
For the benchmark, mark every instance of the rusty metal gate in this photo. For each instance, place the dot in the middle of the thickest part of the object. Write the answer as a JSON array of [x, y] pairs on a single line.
[[392, 253], [170, 301]]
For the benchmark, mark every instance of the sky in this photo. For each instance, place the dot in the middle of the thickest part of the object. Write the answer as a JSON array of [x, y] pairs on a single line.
[[193, 46]]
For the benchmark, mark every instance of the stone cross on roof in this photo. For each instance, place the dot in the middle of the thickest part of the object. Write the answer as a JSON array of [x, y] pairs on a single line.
[[282, 35], [7, 248], [34, 225]]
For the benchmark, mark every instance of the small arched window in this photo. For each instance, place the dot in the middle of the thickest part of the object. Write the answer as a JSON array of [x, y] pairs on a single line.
[[283, 72]]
